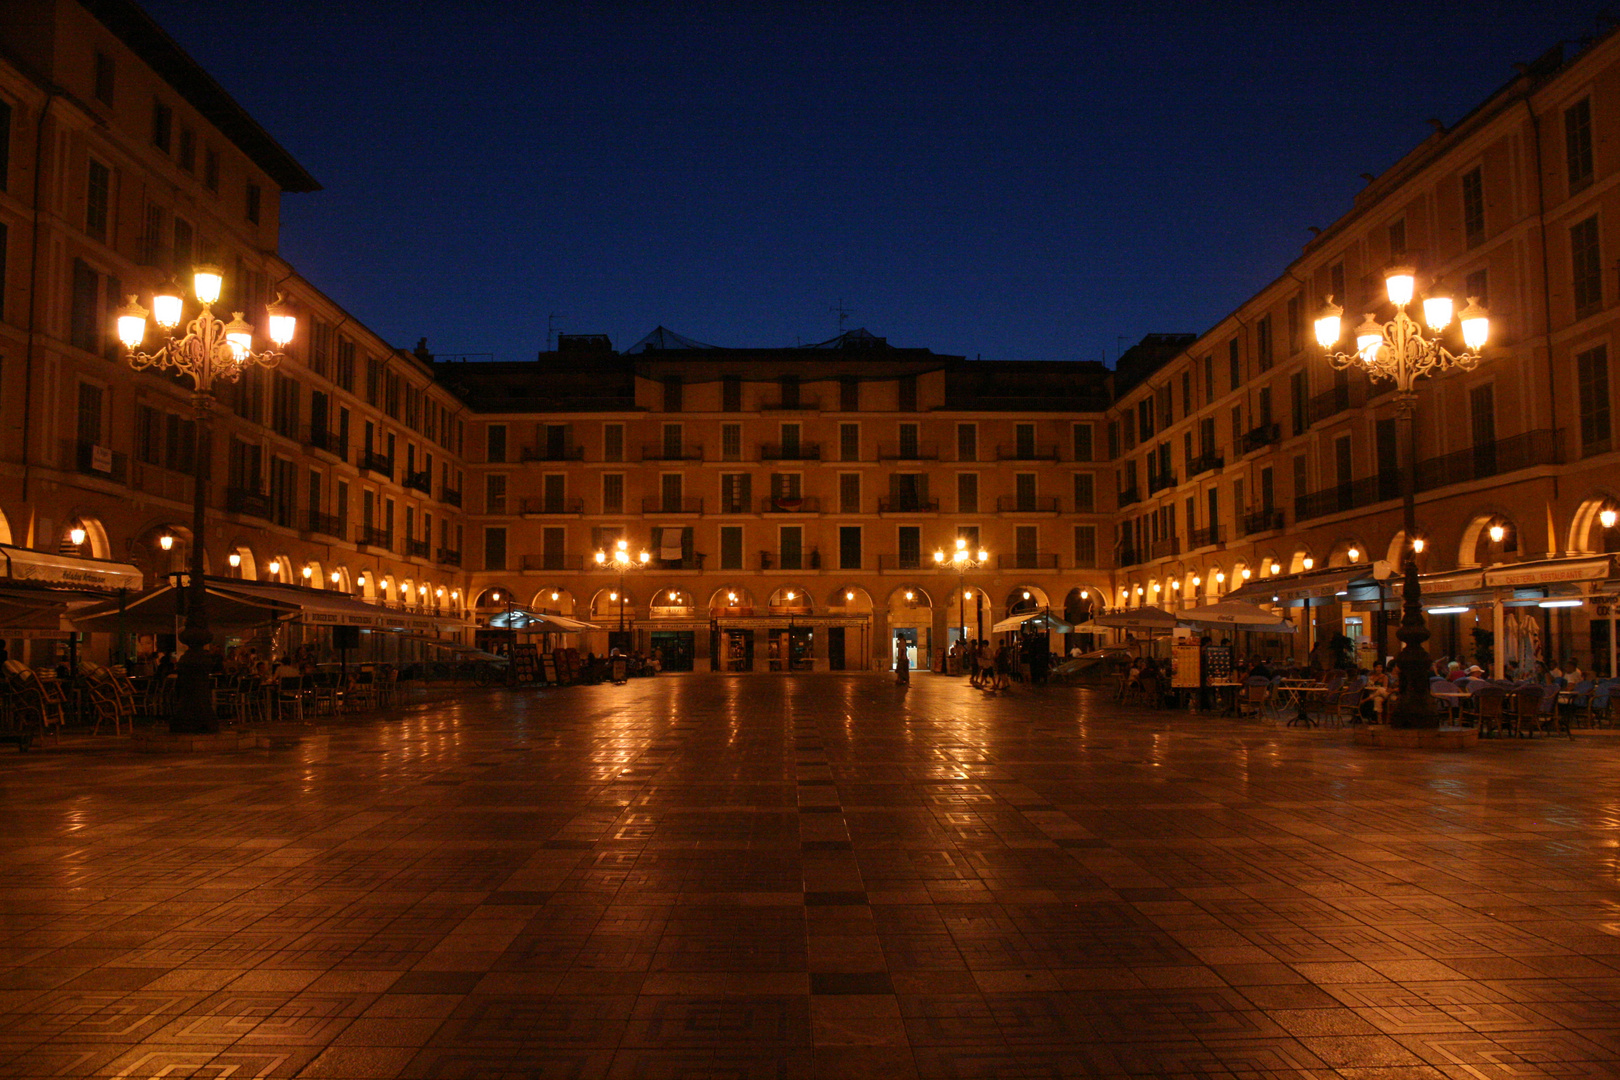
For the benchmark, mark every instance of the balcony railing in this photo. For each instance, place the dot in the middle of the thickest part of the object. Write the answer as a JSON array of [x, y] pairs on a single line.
[[790, 506], [1264, 435], [1338, 498], [449, 557], [734, 506], [1027, 560], [1159, 481], [1204, 537], [327, 525], [1130, 556], [902, 562], [420, 481], [1204, 463], [372, 461], [1027, 504], [908, 505], [371, 536], [553, 506], [1036, 452], [1262, 521], [800, 452], [417, 549], [660, 452], [450, 496], [328, 442], [555, 560], [249, 501], [796, 560], [904, 452], [93, 460], [1336, 400], [1524, 451], [1167, 548], [690, 562], [1129, 496], [801, 405], [656, 505], [553, 453]]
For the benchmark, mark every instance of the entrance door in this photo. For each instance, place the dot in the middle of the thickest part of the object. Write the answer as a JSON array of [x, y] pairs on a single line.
[[835, 648], [909, 633], [801, 649], [674, 648]]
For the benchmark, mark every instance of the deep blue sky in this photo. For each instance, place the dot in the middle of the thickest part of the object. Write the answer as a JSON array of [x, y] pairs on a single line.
[[1018, 180]]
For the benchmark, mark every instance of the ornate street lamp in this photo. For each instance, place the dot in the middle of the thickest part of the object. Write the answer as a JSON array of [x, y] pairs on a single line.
[[1399, 351], [963, 560], [209, 351], [619, 559]]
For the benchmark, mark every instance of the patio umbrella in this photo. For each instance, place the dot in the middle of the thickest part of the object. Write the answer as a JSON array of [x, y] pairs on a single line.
[[1035, 620], [1239, 616], [1139, 619]]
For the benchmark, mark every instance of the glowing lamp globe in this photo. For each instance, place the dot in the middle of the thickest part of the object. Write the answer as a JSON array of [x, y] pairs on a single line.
[[1308, 563], [1607, 517], [1329, 324], [235, 559], [1369, 337], [131, 324], [168, 306], [1437, 308], [1399, 282], [1355, 554], [166, 542], [239, 335], [1497, 533], [206, 282], [1476, 325], [76, 534], [283, 322]]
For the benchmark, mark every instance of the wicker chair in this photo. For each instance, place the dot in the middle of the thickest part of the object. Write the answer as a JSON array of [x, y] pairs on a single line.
[[1490, 709]]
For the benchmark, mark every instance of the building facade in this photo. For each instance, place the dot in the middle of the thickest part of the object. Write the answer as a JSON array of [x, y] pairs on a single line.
[[791, 501]]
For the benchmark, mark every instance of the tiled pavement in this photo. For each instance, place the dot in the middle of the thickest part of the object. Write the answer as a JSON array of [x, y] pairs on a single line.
[[702, 876]]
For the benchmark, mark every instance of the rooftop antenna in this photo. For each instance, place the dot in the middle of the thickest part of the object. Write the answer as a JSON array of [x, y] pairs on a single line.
[[552, 326], [842, 312]]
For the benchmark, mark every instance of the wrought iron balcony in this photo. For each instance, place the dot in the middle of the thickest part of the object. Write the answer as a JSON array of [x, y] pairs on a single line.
[[1159, 481], [908, 505], [1262, 521], [328, 442], [371, 461], [449, 557], [93, 460], [1204, 463], [450, 495], [1130, 495], [657, 505], [902, 562], [420, 481], [1264, 435], [798, 452], [544, 505], [683, 452], [371, 536], [1027, 560], [249, 501], [327, 525], [1167, 548], [905, 452], [553, 453], [1338, 498], [1335, 400], [1204, 537], [417, 549], [1028, 452], [790, 506], [1130, 556], [1525, 451], [1027, 504]]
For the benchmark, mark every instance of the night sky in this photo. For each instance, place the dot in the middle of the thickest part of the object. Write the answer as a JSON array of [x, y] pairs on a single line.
[[1019, 180]]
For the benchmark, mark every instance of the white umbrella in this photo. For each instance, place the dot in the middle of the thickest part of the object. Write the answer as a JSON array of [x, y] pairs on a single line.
[[1237, 614], [1139, 619], [1040, 620]]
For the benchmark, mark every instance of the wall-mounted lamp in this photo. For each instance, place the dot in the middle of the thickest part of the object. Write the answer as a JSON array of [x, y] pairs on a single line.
[[166, 542]]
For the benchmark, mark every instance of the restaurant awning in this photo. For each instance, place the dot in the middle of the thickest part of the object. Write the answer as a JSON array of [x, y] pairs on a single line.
[[1035, 620], [1546, 573], [523, 620], [233, 602], [70, 571], [1292, 589], [1237, 615], [785, 622], [1138, 619]]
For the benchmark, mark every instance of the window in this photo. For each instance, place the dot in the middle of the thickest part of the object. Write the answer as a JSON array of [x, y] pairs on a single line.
[[1473, 206], [1397, 238], [5, 144], [1237, 425], [184, 249], [495, 436], [671, 491], [1024, 436], [1586, 266], [908, 393], [180, 443], [1024, 486], [495, 547], [967, 493], [788, 386], [1592, 376], [1128, 429], [284, 406], [967, 442], [730, 442], [1302, 482], [1262, 342], [849, 493], [345, 364], [1336, 282], [553, 548], [1082, 442], [253, 197], [84, 329], [731, 394], [1342, 463], [672, 393], [736, 492], [613, 442], [188, 149], [849, 547], [1478, 286], [672, 448], [1144, 418], [613, 493], [849, 442], [148, 435], [1578, 143], [1296, 324], [790, 440], [1085, 545], [1085, 493], [1268, 490], [211, 168], [791, 539], [849, 394], [1235, 375], [554, 493], [495, 493], [98, 192], [105, 72], [909, 445], [910, 547], [731, 547], [1264, 403], [162, 125], [283, 491], [1186, 393], [89, 414], [1299, 401]]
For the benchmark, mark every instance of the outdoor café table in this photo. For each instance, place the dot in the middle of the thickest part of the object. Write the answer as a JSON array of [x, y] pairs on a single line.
[[1226, 693], [1302, 694], [1452, 699]]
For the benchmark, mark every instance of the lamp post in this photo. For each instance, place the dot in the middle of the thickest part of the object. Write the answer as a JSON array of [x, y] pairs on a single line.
[[620, 559], [208, 351], [1398, 350], [963, 560]]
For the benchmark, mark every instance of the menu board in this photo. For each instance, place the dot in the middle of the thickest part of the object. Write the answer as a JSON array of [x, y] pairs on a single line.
[[1218, 663], [525, 660], [1185, 664]]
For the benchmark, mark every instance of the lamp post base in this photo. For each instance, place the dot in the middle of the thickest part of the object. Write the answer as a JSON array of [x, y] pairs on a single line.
[[1415, 707], [194, 694]]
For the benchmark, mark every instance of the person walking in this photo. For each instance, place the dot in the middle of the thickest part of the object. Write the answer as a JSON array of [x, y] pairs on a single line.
[[902, 661]]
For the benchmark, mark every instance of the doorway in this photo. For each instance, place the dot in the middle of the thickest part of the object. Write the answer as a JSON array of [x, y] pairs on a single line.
[[675, 648]]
